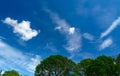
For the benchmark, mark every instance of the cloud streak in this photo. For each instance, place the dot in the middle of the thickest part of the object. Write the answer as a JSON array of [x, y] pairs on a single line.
[[22, 29], [72, 34], [106, 43], [88, 36], [11, 58], [111, 28]]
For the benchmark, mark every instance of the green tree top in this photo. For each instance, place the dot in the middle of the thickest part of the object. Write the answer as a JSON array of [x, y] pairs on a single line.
[[56, 65], [11, 73]]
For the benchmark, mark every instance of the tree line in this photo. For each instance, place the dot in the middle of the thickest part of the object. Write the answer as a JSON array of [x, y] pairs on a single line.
[[57, 65]]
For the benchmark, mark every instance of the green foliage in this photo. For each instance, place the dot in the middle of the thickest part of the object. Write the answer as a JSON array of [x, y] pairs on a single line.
[[56, 65], [101, 66], [107, 65], [118, 59], [11, 73], [83, 65], [117, 62], [61, 66]]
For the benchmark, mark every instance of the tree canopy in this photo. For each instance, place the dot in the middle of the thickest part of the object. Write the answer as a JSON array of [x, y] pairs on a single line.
[[83, 66], [101, 66], [11, 73], [61, 66], [55, 66]]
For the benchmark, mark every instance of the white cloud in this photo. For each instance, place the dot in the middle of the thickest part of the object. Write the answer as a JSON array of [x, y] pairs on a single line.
[[111, 28], [23, 29], [34, 61], [88, 36], [72, 30], [72, 35], [73, 42], [106, 43], [11, 58]]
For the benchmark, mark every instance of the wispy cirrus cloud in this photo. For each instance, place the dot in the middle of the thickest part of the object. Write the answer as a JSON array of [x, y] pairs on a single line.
[[23, 28], [88, 36], [12, 58], [106, 43], [85, 55], [111, 28], [2, 38], [82, 55], [50, 46], [72, 34], [74, 42], [103, 15]]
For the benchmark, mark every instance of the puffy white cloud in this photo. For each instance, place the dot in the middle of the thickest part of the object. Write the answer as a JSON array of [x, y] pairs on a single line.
[[11, 58], [106, 43], [72, 35], [111, 28], [22, 28], [88, 36]]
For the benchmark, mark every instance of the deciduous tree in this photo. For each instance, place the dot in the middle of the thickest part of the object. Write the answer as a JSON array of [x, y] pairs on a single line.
[[11, 73], [55, 66]]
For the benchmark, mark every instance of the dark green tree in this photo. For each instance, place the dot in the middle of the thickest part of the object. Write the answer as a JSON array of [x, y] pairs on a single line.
[[11, 73], [83, 65], [96, 68], [117, 62], [102, 66], [56, 65]]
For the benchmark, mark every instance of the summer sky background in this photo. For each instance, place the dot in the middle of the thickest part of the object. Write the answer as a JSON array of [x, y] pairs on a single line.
[[31, 30]]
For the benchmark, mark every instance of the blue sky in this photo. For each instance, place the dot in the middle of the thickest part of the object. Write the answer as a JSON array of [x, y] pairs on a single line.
[[31, 30]]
